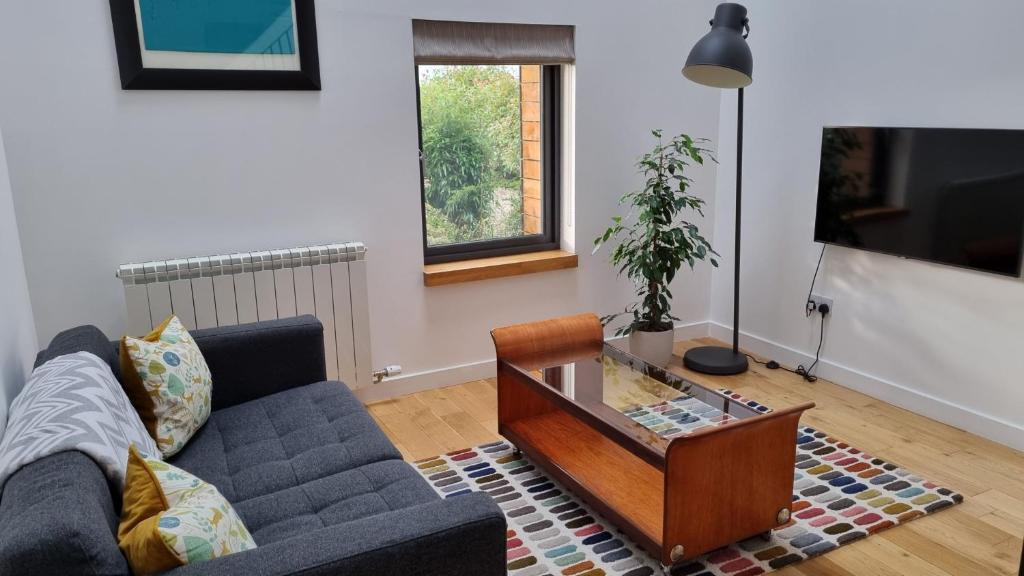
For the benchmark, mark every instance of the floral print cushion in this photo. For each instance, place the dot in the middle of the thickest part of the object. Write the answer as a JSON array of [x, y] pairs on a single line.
[[171, 518], [200, 524], [168, 382]]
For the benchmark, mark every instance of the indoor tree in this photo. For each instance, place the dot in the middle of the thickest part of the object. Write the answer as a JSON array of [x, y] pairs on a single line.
[[655, 239]]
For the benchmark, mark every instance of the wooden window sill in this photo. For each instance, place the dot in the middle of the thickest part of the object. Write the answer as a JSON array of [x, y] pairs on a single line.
[[497, 267]]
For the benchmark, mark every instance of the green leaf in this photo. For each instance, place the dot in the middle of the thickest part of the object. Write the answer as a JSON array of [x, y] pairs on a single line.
[[658, 240], [197, 549]]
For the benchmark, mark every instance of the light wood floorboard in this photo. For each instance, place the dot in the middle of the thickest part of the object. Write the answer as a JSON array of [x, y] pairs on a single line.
[[981, 536]]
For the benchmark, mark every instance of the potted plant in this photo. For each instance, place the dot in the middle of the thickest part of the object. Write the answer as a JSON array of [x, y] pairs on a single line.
[[655, 240]]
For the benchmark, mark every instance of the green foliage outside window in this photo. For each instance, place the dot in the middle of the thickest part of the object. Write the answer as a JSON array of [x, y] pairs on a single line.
[[472, 148]]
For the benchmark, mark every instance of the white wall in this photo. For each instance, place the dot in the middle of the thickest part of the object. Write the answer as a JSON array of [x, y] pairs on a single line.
[[17, 331], [944, 342], [104, 176]]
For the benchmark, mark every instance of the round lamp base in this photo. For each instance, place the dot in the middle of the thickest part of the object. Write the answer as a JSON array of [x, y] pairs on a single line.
[[715, 360]]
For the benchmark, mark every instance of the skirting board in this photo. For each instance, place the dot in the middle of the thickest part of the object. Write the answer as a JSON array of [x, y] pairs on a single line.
[[914, 400], [441, 377], [918, 402], [426, 380]]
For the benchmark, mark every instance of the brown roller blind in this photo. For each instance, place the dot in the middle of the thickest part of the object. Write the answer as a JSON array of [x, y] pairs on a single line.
[[443, 42]]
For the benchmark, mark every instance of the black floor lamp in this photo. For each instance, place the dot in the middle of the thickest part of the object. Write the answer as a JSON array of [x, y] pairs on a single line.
[[722, 59]]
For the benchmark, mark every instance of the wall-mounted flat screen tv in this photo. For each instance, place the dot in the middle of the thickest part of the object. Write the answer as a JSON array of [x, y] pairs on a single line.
[[952, 196]]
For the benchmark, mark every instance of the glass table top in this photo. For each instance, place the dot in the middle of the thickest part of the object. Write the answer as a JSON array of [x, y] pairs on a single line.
[[637, 397]]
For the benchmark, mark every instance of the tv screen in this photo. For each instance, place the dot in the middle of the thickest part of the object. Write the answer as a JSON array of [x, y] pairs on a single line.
[[952, 196]]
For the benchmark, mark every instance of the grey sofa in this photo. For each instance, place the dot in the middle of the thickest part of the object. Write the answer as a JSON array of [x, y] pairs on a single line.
[[320, 487]]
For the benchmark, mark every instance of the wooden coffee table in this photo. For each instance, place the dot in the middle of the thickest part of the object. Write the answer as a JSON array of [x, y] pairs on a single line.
[[712, 471]]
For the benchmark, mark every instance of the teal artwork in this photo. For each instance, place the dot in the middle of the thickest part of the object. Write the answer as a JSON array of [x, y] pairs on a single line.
[[218, 26]]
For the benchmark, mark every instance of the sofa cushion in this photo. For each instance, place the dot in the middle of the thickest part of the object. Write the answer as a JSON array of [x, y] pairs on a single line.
[[362, 492], [168, 382], [300, 460], [170, 518]]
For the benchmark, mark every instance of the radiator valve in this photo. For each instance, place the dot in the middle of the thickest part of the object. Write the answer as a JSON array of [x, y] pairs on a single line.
[[387, 372]]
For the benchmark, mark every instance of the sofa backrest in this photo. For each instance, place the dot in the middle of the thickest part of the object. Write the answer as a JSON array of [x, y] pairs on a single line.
[[249, 361]]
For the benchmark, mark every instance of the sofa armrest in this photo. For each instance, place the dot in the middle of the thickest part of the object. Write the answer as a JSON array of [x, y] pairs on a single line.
[[57, 516], [249, 361], [462, 536]]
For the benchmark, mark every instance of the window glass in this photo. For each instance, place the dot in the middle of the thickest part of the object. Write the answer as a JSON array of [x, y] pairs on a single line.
[[480, 131]]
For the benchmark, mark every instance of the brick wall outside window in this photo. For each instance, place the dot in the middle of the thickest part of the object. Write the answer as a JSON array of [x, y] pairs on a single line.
[[529, 78]]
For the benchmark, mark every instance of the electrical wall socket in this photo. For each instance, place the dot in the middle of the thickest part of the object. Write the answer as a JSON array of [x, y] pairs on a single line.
[[815, 302]]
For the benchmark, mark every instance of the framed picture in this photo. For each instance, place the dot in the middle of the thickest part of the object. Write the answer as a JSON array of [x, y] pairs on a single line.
[[216, 44]]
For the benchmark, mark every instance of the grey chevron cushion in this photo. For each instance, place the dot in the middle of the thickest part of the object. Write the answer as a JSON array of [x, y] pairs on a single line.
[[73, 402]]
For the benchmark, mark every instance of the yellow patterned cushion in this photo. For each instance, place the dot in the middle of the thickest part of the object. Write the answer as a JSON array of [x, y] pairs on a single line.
[[170, 518], [168, 382]]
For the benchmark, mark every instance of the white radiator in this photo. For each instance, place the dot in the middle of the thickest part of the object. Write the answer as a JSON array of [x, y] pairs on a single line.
[[328, 282]]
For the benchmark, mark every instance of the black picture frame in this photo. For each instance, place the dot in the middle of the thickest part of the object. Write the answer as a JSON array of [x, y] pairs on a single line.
[[136, 77]]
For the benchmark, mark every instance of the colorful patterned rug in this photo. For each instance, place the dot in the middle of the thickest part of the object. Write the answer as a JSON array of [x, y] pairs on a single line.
[[841, 495]]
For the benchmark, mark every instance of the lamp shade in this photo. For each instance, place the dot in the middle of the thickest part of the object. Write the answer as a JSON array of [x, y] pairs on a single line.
[[722, 57]]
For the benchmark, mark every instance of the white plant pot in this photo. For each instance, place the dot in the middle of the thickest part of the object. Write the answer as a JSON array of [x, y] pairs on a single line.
[[653, 347]]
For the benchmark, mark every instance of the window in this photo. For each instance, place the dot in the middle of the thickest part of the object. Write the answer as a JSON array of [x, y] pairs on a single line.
[[489, 159], [489, 100]]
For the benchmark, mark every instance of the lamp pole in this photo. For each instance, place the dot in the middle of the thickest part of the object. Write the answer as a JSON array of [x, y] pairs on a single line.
[[739, 214]]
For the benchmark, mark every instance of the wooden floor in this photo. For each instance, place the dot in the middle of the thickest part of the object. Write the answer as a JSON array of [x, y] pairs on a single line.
[[980, 536]]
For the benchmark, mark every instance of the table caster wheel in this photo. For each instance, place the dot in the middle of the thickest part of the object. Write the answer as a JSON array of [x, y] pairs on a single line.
[[766, 536]]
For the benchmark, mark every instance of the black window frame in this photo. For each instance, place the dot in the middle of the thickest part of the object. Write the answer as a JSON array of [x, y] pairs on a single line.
[[551, 184]]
